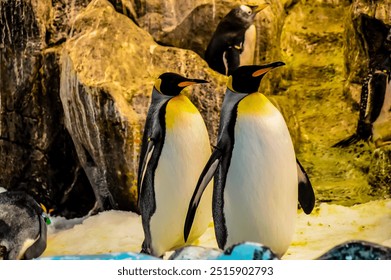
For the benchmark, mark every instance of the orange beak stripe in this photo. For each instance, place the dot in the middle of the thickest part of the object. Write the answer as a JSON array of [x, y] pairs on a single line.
[[186, 83], [261, 72]]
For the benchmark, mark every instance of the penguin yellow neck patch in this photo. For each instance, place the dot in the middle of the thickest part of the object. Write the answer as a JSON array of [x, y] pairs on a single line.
[[255, 104], [177, 109], [157, 84]]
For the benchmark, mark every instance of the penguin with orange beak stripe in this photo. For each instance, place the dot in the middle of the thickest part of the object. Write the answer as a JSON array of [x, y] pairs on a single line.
[[174, 150], [233, 43], [257, 178]]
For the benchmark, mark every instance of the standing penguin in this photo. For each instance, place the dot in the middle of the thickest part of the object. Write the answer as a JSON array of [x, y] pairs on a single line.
[[174, 150], [233, 42], [22, 226], [375, 105], [257, 177], [375, 98]]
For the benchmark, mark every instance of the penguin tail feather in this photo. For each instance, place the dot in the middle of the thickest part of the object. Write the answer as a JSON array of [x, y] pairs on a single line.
[[347, 141]]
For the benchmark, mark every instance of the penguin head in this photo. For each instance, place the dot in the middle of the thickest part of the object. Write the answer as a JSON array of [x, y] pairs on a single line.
[[245, 14], [246, 79], [171, 84]]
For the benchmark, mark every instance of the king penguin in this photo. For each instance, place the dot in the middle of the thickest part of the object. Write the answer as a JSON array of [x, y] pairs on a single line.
[[23, 229], [233, 43], [257, 178], [174, 150]]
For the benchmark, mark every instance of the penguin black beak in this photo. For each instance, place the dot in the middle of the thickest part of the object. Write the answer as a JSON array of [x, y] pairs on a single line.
[[267, 67], [257, 9], [276, 64], [199, 81]]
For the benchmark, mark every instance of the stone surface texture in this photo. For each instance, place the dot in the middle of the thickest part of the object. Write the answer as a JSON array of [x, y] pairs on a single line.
[[76, 79]]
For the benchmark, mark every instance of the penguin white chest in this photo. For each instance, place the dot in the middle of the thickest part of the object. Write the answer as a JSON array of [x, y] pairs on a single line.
[[261, 191], [247, 56], [185, 151]]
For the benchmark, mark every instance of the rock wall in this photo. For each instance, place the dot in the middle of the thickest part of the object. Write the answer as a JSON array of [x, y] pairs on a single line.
[[98, 68], [37, 153], [76, 79]]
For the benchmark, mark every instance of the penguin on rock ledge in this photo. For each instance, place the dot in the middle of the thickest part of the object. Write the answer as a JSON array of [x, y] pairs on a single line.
[[233, 43]]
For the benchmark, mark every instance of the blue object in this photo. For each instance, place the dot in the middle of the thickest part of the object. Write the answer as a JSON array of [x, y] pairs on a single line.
[[242, 251], [248, 251], [113, 256]]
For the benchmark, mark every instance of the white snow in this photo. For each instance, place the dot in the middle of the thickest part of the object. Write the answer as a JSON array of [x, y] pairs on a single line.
[[327, 226]]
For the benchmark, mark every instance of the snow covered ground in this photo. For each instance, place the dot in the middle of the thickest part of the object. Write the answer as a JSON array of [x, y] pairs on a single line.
[[327, 226]]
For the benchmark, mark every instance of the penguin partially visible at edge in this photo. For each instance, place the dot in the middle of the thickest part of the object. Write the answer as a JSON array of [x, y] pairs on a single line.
[[233, 43], [23, 229], [375, 103], [257, 178], [175, 148], [375, 98]]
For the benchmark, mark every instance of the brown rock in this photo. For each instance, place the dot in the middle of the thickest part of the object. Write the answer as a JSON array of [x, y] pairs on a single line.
[[108, 70], [37, 154]]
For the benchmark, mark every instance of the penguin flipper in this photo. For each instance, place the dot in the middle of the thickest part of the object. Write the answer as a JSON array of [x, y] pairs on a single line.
[[205, 177], [39, 246], [306, 192], [232, 59], [146, 159]]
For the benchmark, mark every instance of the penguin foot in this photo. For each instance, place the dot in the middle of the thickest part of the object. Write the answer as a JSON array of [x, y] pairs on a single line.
[[146, 251], [347, 141]]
